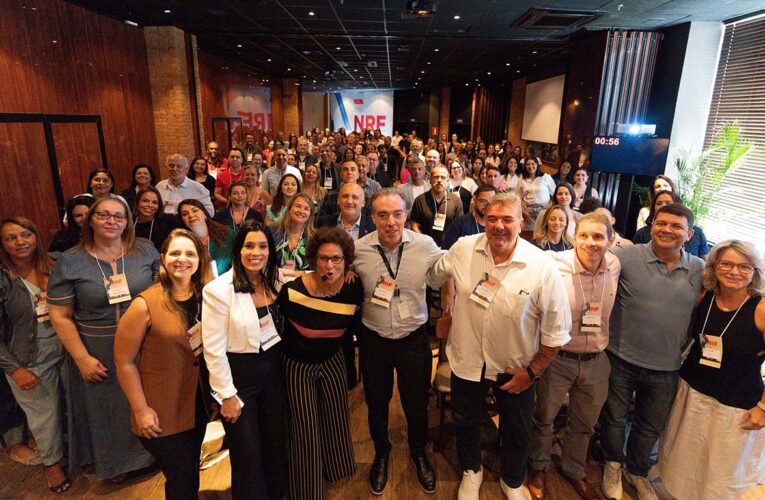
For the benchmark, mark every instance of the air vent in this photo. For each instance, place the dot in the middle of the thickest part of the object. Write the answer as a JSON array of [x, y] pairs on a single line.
[[554, 19]]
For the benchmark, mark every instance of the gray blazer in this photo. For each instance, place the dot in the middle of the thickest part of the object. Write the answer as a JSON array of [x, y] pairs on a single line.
[[18, 343]]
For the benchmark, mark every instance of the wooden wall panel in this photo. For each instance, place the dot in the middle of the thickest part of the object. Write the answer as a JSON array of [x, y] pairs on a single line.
[[62, 59], [27, 181], [78, 152]]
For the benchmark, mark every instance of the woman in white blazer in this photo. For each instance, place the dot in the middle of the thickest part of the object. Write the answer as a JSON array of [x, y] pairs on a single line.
[[240, 325]]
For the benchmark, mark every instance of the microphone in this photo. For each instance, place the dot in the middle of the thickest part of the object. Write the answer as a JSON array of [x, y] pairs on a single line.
[[324, 277]]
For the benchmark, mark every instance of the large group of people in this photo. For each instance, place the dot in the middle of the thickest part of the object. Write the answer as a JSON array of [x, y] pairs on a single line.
[[239, 287]]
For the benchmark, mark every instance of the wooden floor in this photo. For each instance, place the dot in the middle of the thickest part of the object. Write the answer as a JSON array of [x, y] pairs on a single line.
[[24, 482]]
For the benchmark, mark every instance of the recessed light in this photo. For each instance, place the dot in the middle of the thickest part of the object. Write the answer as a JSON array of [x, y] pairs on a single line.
[[436, 50], [310, 13], [239, 45], [507, 64], [355, 71], [54, 41], [423, 71], [269, 60], [418, 78], [467, 85], [337, 48], [533, 51], [457, 18], [289, 69], [488, 72], [167, 11], [314, 81], [428, 62], [476, 79], [517, 71]]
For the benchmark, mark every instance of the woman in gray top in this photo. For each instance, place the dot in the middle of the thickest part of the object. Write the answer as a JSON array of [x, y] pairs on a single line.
[[30, 353], [90, 287]]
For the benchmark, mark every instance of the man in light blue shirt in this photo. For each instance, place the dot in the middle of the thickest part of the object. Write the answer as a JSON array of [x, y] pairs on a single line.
[[179, 187]]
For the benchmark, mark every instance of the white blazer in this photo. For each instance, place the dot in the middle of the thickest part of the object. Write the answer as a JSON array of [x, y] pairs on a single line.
[[229, 324]]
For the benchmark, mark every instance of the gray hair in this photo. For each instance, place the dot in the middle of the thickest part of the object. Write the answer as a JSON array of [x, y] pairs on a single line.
[[506, 200], [383, 193], [749, 251], [178, 156]]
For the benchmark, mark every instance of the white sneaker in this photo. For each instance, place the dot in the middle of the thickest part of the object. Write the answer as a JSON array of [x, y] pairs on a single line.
[[519, 493], [470, 484], [612, 480], [644, 487]]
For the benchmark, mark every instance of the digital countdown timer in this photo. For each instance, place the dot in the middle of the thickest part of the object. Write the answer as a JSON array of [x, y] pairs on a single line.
[[606, 141]]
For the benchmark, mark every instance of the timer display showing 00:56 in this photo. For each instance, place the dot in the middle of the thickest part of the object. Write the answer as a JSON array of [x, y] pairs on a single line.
[[606, 141]]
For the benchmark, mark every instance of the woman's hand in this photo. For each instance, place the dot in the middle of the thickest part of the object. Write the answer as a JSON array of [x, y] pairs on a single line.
[[350, 277], [147, 422], [25, 379], [92, 370], [231, 409], [753, 420]]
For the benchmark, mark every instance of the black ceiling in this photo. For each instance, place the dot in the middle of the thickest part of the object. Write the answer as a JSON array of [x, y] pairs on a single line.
[[331, 44]]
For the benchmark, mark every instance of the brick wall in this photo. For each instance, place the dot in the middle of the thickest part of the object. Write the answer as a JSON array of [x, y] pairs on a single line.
[[168, 73]]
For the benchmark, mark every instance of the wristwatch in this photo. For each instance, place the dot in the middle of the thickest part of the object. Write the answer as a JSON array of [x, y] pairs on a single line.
[[534, 378]]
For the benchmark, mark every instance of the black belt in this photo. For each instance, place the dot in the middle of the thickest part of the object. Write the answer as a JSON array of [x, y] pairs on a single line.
[[583, 356]]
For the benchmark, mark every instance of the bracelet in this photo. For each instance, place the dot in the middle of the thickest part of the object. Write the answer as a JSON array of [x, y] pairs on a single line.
[[761, 405]]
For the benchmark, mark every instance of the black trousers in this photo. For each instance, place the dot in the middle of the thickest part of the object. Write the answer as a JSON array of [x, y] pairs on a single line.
[[516, 412], [257, 441], [178, 457], [412, 361]]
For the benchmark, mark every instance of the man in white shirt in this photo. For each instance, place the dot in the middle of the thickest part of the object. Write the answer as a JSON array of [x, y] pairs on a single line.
[[416, 185], [272, 176], [392, 263], [179, 187], [511, 316]]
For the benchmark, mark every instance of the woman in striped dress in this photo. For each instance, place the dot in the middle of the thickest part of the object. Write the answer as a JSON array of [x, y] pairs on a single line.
[[319, 308]]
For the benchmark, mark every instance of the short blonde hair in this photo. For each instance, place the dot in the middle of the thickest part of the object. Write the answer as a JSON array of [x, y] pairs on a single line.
[[749, 251]]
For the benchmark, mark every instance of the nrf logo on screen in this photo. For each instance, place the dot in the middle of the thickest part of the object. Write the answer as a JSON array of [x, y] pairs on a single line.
[[358, 101]]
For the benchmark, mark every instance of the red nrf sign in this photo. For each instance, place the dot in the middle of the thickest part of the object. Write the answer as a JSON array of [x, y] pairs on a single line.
[[358, 101]]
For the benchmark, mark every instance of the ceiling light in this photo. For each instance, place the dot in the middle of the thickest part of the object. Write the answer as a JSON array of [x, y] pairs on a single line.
[[517, 71], [533, 51], [355, 70], [54, 41], [269, 60], [436, 50], [239, 45], [423, 71], [507, 64], [428, 62], [337, 48], [131, 23], [467, 85], [310, 13], [289, 69], [457, 18], [420, 8], [488, 72], [168, 11]]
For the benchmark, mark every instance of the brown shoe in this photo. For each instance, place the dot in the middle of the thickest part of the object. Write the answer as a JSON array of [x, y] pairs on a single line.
[[584, 488], [537, 484]]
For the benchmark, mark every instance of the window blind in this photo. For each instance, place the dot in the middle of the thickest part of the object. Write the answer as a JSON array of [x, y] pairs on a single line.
[[739, 97]]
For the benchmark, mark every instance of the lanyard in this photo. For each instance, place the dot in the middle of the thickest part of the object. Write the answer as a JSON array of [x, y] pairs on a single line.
[[151, 227], [435, 204], [31, 293], [704, 328], [387, 264], [95, 256], [602, 291]]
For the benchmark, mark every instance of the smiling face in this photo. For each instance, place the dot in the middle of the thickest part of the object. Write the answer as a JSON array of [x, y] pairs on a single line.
[[148, 205], [729, 272], [177, 168], [512, 166], [142, 177], [591, 242], [300, 211], [181, 260], [250, 177], [580, 177], [669, 232], [254, 253], [562, 196], [556, 222], [311, 174], [531, 167], [19, 242], [100, 184], [389, 215], [662, 200], [503, 225], [192, 215], [289, 187], [351, 201]]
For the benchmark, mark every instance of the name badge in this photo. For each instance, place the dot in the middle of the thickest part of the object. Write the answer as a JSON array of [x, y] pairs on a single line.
[[711, 351], [249, 156], [591, 317], [485, 290], [269, 337], [384, 292], [169, 207], [440, 222], [288, 265], [117, 288], [41, 307], [194, 335], [403, 309], [328, 183], [301, 165]]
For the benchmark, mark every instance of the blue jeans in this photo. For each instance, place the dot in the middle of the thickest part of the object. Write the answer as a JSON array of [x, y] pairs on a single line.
[[654, 393]]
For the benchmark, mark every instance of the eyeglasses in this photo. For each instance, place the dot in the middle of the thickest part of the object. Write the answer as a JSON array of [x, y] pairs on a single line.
[[335, 259], [725, 266], [105, 216]]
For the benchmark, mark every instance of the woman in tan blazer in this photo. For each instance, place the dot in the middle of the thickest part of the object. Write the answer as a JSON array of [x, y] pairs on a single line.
[[163, 326]]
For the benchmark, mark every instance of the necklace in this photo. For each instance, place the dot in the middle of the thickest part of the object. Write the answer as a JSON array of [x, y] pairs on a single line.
[[327, 293]]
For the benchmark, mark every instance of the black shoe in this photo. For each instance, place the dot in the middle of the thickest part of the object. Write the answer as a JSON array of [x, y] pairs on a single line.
[[426, 476], [378, 475]]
